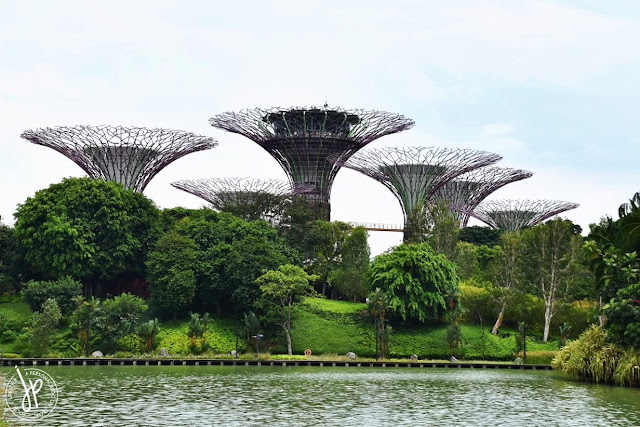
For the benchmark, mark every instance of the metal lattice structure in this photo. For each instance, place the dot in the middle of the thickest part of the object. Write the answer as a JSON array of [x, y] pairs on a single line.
[[512, 215], [304, 139], [466, 191], [249, 198], [414, 174], [131, 156]]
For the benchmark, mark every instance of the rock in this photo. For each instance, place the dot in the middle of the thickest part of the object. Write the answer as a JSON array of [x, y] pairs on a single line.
[[414, 357], [351, 355], [97, 353], [234, 354], [164, 352], [518, 361], [453, 360]]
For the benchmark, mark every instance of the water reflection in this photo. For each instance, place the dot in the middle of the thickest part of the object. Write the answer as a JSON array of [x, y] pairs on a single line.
[[288, 396]]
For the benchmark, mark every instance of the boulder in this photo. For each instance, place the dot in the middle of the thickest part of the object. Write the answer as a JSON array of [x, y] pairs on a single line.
[[414, 357], [351, 355], [97, 353], [453, 360], [164, 352], [518, 361]]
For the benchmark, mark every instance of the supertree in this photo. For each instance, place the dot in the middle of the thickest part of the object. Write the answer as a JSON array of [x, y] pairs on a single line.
[[304, 140], [131, 156], [466, 191], [248, 198], [512, 215], [414, 174]]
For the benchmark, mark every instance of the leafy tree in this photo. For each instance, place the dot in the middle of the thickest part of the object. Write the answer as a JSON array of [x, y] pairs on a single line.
[[117, 317], [433, 223], [148, 332], [378, 305], [552, 251], [480, 235], [507, 272], [9, 260], [466, 260], [350, 277], [197, 329], [416, 280], [82, 321], [86, 228], [42, 325], [250, 326], [282, 290], [63, 291], [329, 238], [171, 272]]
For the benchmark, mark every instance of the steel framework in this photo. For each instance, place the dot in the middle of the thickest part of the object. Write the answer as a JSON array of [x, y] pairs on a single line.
[[131, 156], [304, 139], [247, 197], [466, 191], [414, 174], [512, 215]]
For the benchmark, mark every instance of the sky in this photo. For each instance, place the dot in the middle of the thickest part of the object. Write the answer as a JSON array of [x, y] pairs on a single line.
[[552, 86]]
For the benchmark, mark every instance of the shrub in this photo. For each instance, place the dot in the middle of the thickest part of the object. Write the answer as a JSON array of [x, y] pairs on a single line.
[[131, 343], [117, 317], [540, 357], [62, 291]]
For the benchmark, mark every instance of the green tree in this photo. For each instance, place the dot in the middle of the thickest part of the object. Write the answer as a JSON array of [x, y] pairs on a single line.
[[82, 321], [507, 272], [466, 260], [378, 305], [416, 280], [434, 224], [63, 291], [480, 235], [86, 228], [9, 260], [350, 277], [42, 325], [171, 272], [282, 290], [117, 317], [551, 251], [329, 238], [148, 332]]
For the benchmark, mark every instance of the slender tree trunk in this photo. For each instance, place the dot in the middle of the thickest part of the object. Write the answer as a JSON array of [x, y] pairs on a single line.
[[602, 319], [547, 320], [289, 351], [498, 323]]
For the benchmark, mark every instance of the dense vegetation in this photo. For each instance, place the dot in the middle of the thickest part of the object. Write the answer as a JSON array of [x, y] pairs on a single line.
[[92, 266]]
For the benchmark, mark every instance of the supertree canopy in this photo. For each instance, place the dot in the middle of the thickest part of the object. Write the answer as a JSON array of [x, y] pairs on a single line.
[[248, 198], [304, 140], [466, 191], [131, 156], [512, 215], [414, 174]]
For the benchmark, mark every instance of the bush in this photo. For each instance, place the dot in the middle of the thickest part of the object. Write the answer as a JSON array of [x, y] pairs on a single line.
[[540, 357], [62, 291], [131, 343]]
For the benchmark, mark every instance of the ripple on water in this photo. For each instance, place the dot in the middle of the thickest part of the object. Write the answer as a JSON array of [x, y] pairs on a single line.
[[207, 395]]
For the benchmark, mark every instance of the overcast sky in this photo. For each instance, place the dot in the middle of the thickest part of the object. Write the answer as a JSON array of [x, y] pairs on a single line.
[[552, 86]]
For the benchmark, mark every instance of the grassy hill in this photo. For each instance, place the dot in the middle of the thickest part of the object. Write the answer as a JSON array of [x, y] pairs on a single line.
[[325, 326]]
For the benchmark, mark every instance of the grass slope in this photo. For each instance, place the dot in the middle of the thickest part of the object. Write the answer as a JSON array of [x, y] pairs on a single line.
[[328, 326]]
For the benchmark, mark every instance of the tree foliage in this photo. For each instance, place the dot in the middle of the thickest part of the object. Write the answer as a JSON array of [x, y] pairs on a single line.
[[63, 291], [116, 317], [349, 278], [480, 235], [282, 290], [42, 325], [171, 272], [416, 280], [87, 229]]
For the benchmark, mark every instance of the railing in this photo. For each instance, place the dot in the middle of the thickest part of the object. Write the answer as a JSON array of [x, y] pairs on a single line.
[[375, 226]]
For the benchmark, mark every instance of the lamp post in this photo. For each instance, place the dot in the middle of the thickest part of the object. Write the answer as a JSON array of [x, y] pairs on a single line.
[[257, 337]]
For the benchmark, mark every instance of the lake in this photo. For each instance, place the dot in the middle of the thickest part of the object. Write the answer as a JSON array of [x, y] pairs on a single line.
[[298, 396]]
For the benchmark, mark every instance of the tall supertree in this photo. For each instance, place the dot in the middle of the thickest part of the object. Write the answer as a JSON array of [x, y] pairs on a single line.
[[248, 198], [414, 174], [304, 140], [466, 191], [131, 156], [512, 215]]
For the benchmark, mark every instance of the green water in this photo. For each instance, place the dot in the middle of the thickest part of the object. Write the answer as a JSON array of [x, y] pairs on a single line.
[[292, 396]]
